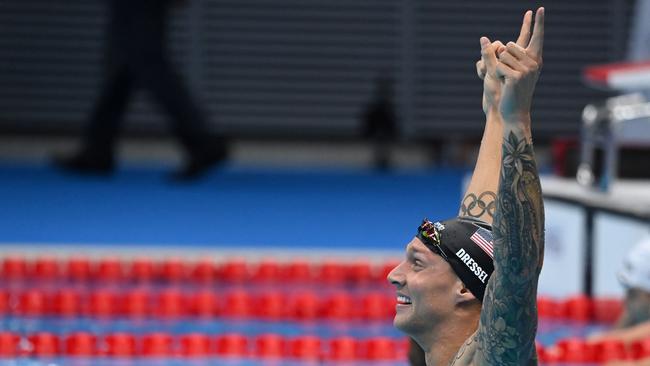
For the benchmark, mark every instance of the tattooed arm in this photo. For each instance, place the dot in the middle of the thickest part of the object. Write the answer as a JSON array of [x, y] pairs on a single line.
[[480, 199], [508, 324]]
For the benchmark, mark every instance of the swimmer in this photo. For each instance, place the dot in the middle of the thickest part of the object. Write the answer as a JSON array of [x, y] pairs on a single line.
[[466, 291], [634, 323]]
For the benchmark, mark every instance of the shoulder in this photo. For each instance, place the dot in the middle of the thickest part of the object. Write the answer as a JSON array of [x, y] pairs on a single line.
[[471, 354], [467, 352]]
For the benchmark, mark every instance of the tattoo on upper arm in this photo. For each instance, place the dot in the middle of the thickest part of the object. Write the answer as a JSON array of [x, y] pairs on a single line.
[[509, 316], [477, 206]]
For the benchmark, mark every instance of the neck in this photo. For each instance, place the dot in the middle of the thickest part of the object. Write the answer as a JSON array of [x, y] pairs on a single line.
[[443, 344]]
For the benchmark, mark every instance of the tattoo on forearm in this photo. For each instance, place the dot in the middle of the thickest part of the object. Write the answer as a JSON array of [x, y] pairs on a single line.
[[477, 206], [509, 316]]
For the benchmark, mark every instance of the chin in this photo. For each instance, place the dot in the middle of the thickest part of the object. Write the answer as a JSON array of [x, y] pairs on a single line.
[[403, 323]]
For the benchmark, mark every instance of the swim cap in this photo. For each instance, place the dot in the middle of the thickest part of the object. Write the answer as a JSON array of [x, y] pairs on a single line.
[[636, 267], [467, 244]]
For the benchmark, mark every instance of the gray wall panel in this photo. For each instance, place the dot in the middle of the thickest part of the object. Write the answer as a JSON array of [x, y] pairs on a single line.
[[296, 67]]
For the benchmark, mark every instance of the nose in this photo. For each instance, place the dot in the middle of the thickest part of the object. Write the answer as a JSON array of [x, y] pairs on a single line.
[[396, 276]]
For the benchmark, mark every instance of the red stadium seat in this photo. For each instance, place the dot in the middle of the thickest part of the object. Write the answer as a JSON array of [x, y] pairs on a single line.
[[305, 348], [171, 303], [67, 303], [640, 350], [550, 308], [298, 271], [270, 346], [609, 350], [9, 343], [340, 306], [377, 306], [204, 272], [104, 304], [46, 269], [360, 273], [110, 270], [271, 305], [205, 304], [238, 304], [4, 302], [137, 303], [343, 349], [232, 345], [78, 269], [174, 270], [142, 270], [574, 350], [34, 303], [267, 271], [120, 345], [235, 270], [44, 344], [195, 345], [332, 273], [14, 268], [81, 344], [607, 310], [304, 306], [157, 345], [380, 349], [579, 308]]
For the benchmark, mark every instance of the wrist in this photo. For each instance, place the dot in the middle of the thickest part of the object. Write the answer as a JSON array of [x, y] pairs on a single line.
[[517, 119], [492, 114], [520, 126]]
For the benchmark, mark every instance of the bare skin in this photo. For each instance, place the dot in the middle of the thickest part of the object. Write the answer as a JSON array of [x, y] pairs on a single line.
[[453, 328]]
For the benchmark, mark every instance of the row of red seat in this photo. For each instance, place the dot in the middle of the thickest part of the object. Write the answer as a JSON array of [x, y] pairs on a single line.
[[144, 270], [580, 308], [201, 345], [172, 302], [169, 303], [575, 350]]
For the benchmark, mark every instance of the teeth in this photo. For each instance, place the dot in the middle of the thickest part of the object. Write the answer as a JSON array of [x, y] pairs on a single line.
[[403, 300]]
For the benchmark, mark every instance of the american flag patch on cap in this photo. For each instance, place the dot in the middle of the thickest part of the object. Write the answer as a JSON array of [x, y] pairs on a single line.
[[483, 238]]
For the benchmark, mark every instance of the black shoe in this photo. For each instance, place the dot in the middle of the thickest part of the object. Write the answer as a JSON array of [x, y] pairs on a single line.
[[84, 164], [198, 166]]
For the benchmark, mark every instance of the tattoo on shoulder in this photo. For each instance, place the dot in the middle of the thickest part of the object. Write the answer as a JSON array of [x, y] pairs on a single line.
[[509, 316], [477, 206]]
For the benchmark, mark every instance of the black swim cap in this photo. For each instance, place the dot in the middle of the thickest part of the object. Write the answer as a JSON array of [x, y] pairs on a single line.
[[467, 244]]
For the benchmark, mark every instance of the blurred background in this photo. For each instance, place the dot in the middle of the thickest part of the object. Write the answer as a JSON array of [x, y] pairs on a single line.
[[308, 140]]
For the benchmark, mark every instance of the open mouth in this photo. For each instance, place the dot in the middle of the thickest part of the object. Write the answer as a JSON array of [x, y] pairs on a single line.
[[403, 300]]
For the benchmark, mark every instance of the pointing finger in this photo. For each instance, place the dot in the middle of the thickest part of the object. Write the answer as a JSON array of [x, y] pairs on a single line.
[[537, 40], [524, 33]]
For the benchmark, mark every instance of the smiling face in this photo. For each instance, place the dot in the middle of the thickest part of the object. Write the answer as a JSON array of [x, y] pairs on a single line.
[[426, 289]]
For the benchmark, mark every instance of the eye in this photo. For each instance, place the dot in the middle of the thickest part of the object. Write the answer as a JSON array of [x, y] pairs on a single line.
[[417, 263]]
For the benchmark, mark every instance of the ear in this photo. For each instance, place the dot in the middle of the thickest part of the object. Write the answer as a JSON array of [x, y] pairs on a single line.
[[463, 296]]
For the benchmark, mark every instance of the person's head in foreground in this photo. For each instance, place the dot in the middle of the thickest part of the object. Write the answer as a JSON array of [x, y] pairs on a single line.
[[443, 278], [635, 277]]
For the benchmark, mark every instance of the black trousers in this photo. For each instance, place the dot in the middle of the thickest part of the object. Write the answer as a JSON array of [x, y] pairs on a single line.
[[137, 59]]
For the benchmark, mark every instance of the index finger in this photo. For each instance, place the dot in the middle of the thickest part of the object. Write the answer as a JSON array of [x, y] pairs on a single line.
[[524, 33], [537, 40]]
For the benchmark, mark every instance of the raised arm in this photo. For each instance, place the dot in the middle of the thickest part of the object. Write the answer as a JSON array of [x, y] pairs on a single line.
[[508, 322], [479, 200]]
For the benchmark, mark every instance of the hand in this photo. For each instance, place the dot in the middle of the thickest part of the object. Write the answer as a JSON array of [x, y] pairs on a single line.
[[486, 66], [519, 69], [491, 83]]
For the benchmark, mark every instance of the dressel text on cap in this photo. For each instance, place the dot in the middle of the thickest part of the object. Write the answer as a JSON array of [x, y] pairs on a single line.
[[472, 265]]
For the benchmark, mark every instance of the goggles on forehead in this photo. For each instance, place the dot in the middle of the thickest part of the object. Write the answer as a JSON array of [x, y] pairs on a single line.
[[430, 235]]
